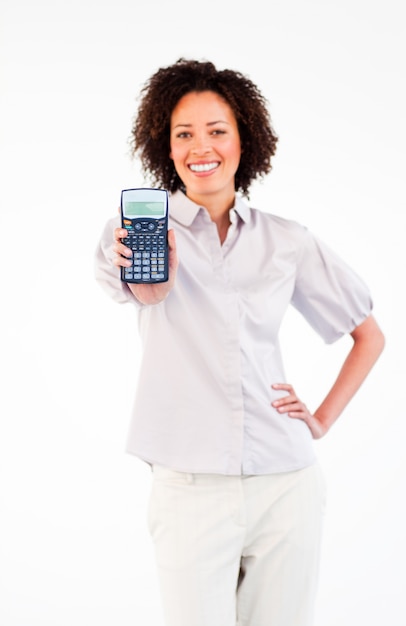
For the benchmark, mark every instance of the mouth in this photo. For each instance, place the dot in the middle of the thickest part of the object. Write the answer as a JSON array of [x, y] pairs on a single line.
[[203, 167]]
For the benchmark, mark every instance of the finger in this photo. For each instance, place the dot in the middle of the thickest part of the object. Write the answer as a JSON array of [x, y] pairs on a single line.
[[120, 233], [120, 248], [173, 257], [284, 386], [284, 400], [172, 245], [171, 239], [302, 415], [291, 406], [121, 261]]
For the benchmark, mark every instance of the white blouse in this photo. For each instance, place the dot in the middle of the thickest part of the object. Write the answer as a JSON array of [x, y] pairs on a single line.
[[211, 350]]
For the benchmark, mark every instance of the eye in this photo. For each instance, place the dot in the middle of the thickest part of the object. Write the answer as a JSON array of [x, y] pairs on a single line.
[[218, 131], [182, 135]]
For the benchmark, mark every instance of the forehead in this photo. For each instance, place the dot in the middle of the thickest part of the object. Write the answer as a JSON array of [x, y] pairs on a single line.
[[202, 105]]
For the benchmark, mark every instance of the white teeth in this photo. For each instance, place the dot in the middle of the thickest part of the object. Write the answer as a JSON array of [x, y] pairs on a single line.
[[203, 167]]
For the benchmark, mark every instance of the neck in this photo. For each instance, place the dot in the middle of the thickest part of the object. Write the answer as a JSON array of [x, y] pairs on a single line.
[[218, 206]]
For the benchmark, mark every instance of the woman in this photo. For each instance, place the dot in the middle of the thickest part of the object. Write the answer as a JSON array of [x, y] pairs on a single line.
[[237, 496]]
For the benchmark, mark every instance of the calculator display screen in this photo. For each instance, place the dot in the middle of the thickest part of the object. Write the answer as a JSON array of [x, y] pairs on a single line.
[[144, 209]]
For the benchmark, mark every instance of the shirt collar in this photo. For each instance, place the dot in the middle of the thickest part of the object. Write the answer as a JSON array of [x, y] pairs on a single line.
[[184, 211]]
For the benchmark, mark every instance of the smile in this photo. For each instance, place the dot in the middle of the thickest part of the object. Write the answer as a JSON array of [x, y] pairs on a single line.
[[203, 167]]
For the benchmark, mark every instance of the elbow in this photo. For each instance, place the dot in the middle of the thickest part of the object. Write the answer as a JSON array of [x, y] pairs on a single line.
[[376, 337], [376, 342], [371, 336], [380, 341]]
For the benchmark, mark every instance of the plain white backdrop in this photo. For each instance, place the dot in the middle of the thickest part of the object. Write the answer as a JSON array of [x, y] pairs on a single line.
[[74, 547]]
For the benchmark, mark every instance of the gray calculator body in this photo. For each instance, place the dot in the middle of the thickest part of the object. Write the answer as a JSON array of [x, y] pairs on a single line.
[[144, 214]]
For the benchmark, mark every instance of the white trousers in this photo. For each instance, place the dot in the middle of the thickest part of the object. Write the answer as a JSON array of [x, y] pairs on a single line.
[[237, 550]]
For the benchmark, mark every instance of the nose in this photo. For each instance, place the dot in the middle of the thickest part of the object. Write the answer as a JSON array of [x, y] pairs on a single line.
[[200, 144]]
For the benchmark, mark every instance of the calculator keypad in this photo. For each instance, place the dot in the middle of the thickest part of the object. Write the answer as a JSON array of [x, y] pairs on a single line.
[[148, 244]]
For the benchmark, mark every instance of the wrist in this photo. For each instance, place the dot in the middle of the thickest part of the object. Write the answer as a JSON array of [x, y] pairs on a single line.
[[325, 420]]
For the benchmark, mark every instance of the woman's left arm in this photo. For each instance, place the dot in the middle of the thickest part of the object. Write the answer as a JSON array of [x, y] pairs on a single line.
[[369, 342]]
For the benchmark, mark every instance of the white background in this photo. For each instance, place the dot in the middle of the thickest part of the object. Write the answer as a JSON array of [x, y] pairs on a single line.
[[74, 548]]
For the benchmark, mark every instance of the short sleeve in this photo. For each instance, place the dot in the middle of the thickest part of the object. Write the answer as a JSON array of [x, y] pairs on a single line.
[[107, 274], [328, 293]]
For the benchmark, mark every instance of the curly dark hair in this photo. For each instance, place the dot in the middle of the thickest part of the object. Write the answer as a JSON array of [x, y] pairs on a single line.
[[150, 134]]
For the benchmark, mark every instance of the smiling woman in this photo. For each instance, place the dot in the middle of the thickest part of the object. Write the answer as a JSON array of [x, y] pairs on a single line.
[[163, 92], [206, 151], [237, 497]]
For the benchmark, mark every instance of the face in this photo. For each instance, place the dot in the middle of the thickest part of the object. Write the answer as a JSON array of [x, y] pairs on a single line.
[[205, 146]]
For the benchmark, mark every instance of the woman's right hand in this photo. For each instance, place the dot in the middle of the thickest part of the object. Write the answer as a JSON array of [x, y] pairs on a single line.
[[146, 293]]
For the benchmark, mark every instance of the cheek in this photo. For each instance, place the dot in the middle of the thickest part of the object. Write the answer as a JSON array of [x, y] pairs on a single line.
[[234, 149], [175, 154], [177, 159], [234, 154]]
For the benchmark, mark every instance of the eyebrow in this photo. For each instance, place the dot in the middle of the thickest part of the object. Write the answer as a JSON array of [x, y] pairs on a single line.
[[208, 124]]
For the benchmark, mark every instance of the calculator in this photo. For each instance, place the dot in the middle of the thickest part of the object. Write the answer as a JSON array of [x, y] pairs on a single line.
[[144, 214]]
